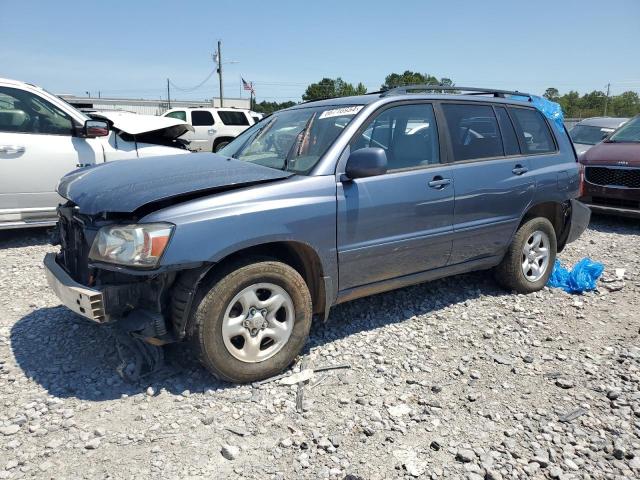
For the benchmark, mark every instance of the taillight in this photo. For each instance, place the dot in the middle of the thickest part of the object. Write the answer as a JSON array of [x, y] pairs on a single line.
[[581, 179]]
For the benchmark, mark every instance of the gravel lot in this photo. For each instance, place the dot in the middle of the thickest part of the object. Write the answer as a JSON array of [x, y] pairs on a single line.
[[452, 379]]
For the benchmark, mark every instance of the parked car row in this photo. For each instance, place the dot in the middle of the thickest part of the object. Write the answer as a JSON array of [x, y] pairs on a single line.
[[609, 152], [315, 205]]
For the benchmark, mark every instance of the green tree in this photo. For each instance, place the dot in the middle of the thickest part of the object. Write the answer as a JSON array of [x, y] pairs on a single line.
[[269, 107], [627, 104], [552, 94], [570, 103], [332, 88], [409, 78]]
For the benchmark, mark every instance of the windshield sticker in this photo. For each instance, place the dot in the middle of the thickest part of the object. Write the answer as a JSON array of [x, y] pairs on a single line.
[[340, 112]]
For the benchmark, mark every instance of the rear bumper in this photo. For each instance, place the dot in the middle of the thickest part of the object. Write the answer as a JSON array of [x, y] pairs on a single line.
[[580, 217], [611, 210], [83, 300]]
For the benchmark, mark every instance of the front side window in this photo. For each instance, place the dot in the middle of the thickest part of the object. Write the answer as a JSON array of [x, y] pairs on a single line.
[[532, 130], [292, 140], [407, 133], [180, 115], [201, 118], [233, 118], [628, 133], [25, 112], [473, 130]]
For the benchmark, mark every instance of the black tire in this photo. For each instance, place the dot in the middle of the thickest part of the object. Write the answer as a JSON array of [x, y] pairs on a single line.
[[219, 146], [210, 311], [509, 273]]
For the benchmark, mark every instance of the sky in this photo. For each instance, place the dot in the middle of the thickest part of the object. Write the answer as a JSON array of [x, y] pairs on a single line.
[[130, 48]]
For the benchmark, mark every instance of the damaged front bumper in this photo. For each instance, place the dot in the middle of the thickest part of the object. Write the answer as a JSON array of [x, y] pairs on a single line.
[[128, 304], [85, 301]]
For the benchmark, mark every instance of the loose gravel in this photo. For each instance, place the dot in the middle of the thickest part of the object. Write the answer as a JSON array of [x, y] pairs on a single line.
[[450, 379]]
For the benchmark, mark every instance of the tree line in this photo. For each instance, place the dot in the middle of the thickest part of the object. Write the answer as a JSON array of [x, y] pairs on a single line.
[[592, 104], [337, 87]]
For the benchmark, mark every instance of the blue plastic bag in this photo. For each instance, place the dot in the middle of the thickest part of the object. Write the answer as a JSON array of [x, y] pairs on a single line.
[[551, 110], [582, 278]]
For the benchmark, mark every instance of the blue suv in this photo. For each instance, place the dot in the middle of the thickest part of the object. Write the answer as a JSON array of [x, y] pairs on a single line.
[[315, 205]]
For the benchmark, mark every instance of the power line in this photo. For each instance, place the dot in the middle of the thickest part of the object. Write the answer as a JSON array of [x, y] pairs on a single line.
[[193, 88]]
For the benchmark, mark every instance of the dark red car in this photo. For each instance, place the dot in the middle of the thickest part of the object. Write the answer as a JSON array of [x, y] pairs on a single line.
[[611, 181]]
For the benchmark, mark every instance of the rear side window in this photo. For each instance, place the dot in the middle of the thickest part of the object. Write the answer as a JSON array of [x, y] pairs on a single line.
[[179, 115], [509, 138], [532, 130], [201, 118], [473, 130], [233, 118]]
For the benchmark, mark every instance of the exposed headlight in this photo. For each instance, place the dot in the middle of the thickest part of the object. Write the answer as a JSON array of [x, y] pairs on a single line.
[[135, 245]]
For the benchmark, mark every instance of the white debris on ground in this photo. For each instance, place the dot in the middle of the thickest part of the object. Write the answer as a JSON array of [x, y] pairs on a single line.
[[451, 379]]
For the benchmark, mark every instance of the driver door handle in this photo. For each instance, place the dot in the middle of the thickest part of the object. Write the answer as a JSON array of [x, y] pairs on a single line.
[[519, 170], [11, 149], [439, 183]]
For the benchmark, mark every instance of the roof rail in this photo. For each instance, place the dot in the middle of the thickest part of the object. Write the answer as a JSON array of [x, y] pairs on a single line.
[[453, 88]]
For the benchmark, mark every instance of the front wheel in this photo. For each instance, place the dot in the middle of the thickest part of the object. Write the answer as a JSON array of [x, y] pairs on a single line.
[[528, 263], [253, 322], [219, 146]]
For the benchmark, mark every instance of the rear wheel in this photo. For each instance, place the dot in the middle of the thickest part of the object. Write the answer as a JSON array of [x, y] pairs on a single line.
[[253, 322], [528, 263]]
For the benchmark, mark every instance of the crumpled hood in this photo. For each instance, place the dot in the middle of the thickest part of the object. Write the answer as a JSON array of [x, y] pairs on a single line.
[[136, 124], [125, 186]]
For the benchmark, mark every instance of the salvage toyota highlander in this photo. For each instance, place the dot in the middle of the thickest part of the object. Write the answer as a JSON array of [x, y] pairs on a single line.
[[316, 205]]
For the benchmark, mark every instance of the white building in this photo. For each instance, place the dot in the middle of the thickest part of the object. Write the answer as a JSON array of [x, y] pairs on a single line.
[[148, 107]]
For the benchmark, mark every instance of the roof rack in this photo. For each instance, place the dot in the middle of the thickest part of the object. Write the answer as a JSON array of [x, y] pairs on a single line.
[[453, 88]]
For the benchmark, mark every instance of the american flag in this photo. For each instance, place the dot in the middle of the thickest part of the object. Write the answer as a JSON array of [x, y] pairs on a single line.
[[248, 86]]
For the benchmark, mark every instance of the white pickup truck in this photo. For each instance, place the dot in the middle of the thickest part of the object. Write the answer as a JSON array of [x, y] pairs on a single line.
[[42, 138]]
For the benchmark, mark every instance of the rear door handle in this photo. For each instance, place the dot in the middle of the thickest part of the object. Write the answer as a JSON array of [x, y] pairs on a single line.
[[519, 170], [439, 182], [11, 149]]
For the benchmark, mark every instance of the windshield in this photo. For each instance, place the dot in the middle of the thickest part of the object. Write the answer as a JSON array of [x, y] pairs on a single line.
[[292, 140], [629, 132], [589, 134]]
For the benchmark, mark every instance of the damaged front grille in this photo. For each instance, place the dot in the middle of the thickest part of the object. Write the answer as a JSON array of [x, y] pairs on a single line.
[[74, 254]]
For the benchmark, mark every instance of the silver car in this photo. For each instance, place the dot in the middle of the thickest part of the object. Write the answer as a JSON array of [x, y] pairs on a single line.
[[590, 131]]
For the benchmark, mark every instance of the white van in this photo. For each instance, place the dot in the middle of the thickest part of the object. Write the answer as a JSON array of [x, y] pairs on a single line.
[[213, 128]]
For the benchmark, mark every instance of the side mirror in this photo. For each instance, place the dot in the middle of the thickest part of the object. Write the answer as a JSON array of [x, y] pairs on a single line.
[[366, 162], [95, 128]]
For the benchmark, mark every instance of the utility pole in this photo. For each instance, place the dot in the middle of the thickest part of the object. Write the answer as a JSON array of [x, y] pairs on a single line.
[[168, 94], [606, 100], [218, 59]]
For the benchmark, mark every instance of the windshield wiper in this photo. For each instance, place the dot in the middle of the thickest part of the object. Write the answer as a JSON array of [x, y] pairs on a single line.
[[259, 134], [299, 141]]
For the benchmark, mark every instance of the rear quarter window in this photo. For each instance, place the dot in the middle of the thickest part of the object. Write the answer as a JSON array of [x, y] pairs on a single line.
[[233, 118], [532, 131]]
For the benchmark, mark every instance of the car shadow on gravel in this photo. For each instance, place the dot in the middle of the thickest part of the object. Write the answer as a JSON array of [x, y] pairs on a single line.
[[397, 306], [73, 358], [27, 237], [612, 224]]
